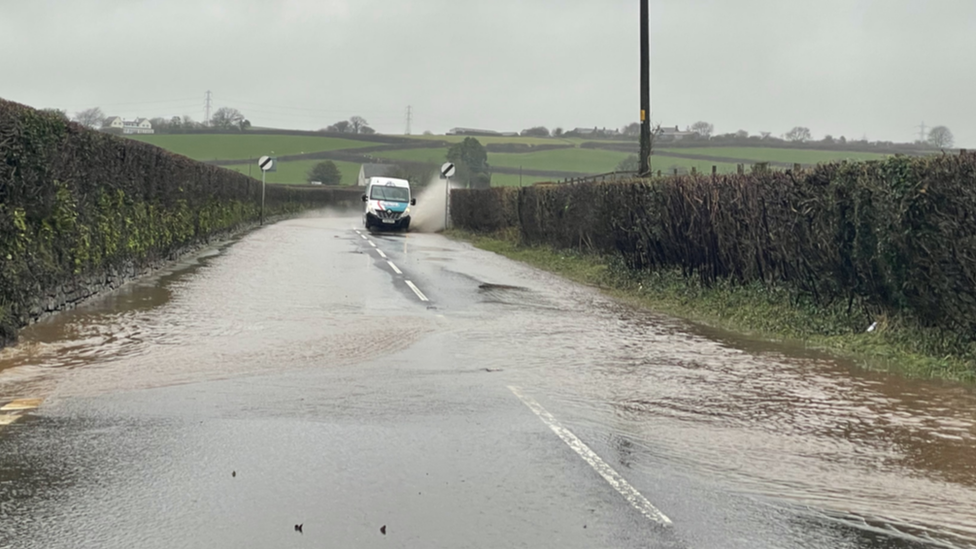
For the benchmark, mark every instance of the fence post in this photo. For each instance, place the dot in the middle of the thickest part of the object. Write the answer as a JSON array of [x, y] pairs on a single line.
[[714, 170], [740, 169], [694, 170], [797, 168], [676, 171]]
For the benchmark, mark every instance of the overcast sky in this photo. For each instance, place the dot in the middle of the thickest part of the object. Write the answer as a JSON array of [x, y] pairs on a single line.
[[874, 68]]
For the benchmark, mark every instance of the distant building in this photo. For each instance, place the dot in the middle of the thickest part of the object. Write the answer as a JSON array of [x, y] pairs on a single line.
[[373, 170], [593, 132], [674, 134], [137, 126], [473, 131]]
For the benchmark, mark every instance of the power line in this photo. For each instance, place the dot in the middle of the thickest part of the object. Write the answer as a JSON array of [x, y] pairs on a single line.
[[921, 132], [307, 109]]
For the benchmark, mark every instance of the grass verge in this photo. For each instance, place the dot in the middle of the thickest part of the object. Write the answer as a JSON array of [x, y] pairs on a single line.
[[779, 314]]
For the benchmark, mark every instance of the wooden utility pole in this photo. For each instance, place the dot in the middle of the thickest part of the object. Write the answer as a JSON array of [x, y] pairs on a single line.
[[645, 72]]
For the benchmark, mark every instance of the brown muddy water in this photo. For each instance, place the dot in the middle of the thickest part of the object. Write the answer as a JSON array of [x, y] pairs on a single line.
[[867, 449]]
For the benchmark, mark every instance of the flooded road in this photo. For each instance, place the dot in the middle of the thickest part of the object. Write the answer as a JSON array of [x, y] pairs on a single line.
[[353, 381]]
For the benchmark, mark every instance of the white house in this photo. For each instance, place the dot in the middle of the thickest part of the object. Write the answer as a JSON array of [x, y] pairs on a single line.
[[137, 126], [675, 134]]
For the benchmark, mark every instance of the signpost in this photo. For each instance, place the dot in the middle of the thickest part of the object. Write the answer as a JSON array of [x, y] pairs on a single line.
[[447, 171], [267, 164]]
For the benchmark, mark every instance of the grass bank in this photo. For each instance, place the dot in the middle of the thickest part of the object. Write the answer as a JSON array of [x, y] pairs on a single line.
[[896, 344]]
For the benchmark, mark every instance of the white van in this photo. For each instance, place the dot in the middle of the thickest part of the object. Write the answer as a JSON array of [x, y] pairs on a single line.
[[388, 204]]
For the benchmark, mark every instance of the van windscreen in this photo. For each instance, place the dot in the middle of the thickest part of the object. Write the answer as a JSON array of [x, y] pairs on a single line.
[[390, 194]]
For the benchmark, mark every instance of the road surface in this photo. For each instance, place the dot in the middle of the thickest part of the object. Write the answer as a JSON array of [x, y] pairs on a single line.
[[412, 391]]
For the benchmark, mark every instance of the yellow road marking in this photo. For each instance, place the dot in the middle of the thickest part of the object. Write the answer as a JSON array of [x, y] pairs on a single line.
[[22, 404], [7, 419]]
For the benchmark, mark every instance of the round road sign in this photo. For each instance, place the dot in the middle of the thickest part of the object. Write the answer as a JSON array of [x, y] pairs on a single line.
[[448, 169], [266, 163]]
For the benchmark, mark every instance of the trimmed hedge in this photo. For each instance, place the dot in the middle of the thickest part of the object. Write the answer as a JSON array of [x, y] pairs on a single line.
[[76, 203], [893, 236]]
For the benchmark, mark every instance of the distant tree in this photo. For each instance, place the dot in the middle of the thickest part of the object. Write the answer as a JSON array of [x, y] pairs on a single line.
[[940, 137], [557, 132], [799, 134], [629, 164], [358, 123], [160, 124], [366, 130], [244, 125], [341, 126], [91, 118], [703, 128], [538, 131], [188, 123], [471, 159], [428, 132], [326, 172], [631, 130], [227, 118], [765, 135], [742, 134], [842, 140], [60, 113], [828, 140]]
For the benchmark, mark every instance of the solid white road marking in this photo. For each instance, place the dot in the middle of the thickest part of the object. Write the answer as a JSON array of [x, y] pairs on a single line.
[[394, 267], [417, 291], [612, 477], [379, 251]]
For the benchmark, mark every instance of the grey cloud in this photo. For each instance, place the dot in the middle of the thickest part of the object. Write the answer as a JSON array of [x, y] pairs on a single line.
[[838, 66]]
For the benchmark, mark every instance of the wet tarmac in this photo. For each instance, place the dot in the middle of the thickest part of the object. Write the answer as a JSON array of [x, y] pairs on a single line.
[[312, 374]]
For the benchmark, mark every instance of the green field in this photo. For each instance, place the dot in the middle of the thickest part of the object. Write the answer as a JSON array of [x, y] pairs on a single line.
[[564, 160], [667, 165], [493, 139], [509, 180], [430, 156], [296, 171], [757, 154], [584, 161], [233, 146]]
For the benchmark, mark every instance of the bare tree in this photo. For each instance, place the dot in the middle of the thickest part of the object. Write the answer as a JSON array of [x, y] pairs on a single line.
[[799, 134], [358, 123], [227, 118], [765, 135], [341, 126], [703, 128], [940, 137], [91, 118]]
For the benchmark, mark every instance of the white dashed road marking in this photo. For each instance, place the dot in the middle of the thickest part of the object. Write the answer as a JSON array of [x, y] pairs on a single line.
[[383, 255], [417, 291], [371, 243], [363, 237], [394, 267], [612, 477]]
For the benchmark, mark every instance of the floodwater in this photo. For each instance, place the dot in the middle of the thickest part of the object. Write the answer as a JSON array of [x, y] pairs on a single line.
[[868, 450]]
